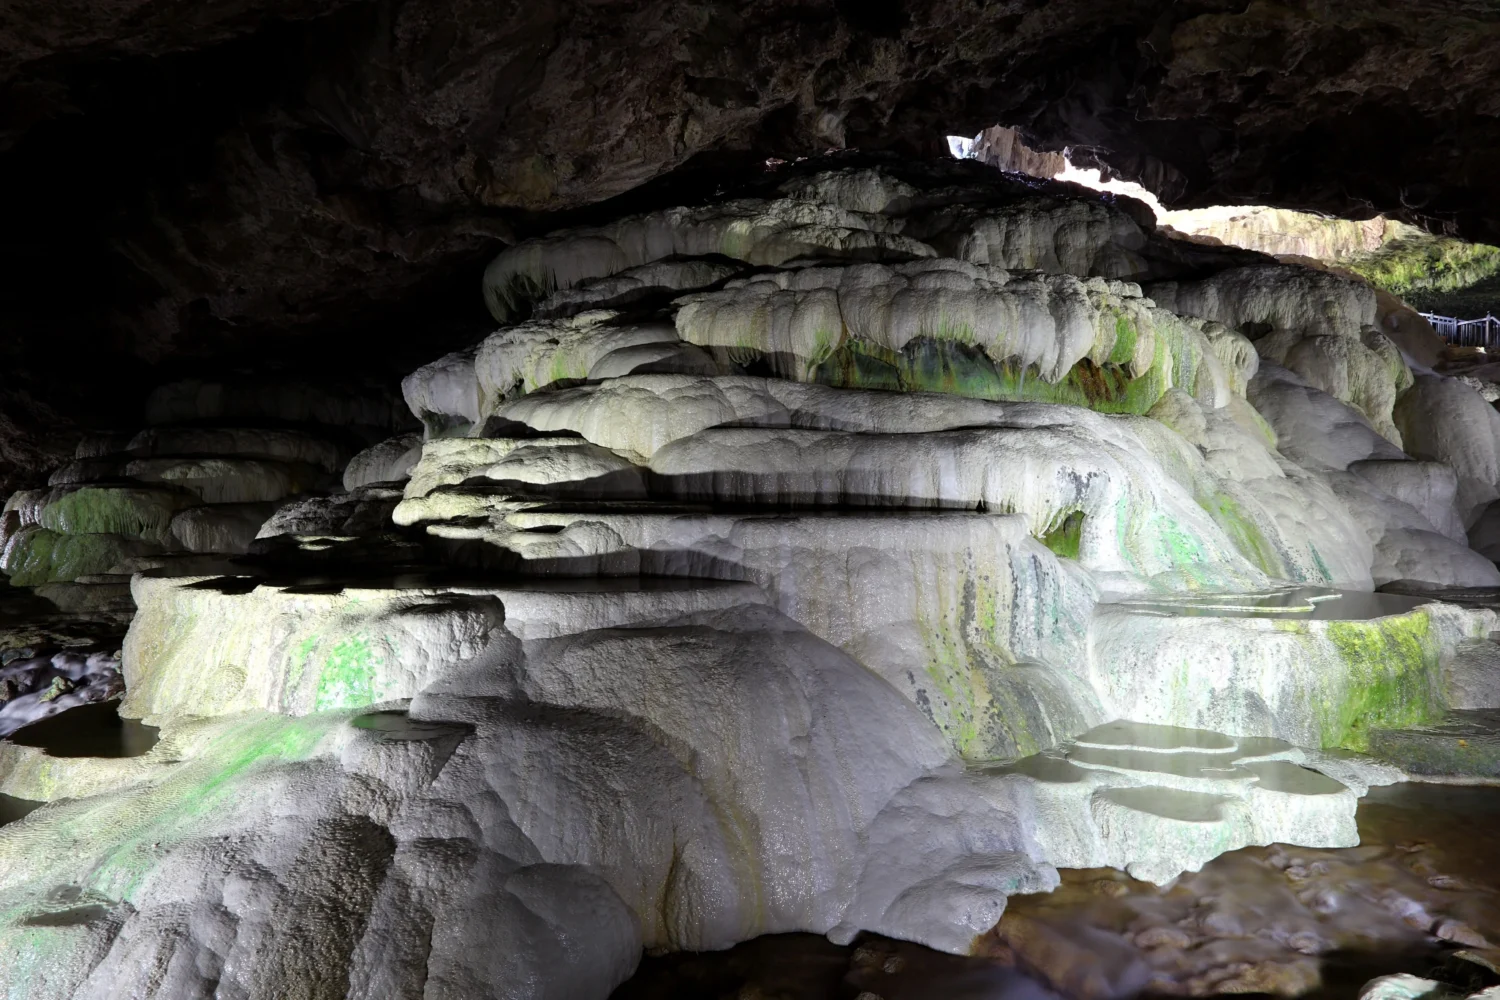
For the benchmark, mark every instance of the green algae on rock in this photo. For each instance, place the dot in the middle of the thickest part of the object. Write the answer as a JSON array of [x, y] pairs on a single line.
[[1315, 682], [138, 512], [37, 556]]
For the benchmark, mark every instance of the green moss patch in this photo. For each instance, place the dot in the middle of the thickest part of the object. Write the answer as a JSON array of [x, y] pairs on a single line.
[[130, 512], [949, 365], [1064, 540], [1125, 340], [1391, 665], [1432, 272], [347, 678], [1245, 533], [40, 556]]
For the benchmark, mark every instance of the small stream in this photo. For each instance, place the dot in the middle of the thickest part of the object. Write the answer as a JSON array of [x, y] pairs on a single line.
[[1419, 895]]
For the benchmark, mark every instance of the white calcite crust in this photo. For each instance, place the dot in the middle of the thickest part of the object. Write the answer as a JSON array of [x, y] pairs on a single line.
[[802, 314], [1152, 800], [1320, 325], [708, 798], [843, 557], [386, 462]]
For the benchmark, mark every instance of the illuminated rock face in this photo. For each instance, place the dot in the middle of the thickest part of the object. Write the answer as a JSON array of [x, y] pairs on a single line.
[[738, 777], [214, 464], [798, 563]]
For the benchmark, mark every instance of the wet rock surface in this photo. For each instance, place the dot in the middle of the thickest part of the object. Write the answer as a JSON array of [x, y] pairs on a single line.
[[1281, 920], [1417, 898], [799, 561]]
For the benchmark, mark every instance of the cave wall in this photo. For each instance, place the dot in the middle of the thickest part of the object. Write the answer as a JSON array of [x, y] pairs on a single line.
[[267, 179]]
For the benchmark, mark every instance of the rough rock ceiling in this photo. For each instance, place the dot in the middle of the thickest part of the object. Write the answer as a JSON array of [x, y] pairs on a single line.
[[202, 179]]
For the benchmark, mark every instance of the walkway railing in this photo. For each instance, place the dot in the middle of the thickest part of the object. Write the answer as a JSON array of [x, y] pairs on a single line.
[[1483, 332]]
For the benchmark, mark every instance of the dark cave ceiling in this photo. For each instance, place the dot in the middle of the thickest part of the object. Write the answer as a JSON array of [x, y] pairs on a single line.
[[238, 181]]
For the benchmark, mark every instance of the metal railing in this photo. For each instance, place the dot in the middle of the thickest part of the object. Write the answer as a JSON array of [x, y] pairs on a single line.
[[1484, 332]]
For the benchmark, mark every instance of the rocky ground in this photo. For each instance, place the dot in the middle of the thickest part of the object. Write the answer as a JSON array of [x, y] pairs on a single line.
[[1418, 897]]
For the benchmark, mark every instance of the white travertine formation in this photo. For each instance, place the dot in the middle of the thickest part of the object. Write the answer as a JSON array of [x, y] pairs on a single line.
[[226, 527], [1051, 321], [1364, 661], [389, 461], [1007, 568], [969, 616], [1158, 800], [1056, 235], [1451, 423], [224, 442], [756, 231], [707, 802], [1320, 325], [633, 284]]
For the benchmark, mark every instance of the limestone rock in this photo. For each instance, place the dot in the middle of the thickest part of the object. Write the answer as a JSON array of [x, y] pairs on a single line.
[[968, 616], [650, 652], [1430, 488], [389, 461], [1405, 544], [222, 527], [858, 325], [35, 555], [520, 359], [1288, 521], [756, 231], [1464, 744], [634, 284], [102, 445], [230, 480], [225, 442], [360, 511], [544, 466], [893, 450], [1402, 506], [663, 872], [1325, 676], [1159, 800], [1443, 420], [444, 394], [88, 470], [1057, 235], [1401, 986], [1317, 324], [1003, 148], [143, 513], [1484, 533]]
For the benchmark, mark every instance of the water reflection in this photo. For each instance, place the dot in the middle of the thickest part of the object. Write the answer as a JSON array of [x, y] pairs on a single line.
[[94, 730], [12, 808]]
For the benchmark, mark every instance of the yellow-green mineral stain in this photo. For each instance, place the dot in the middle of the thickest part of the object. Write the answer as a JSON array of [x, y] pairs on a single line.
[[105, 510], [1123, 351]]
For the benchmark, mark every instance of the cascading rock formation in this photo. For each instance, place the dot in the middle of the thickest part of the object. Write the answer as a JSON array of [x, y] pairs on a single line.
[[848, 555]]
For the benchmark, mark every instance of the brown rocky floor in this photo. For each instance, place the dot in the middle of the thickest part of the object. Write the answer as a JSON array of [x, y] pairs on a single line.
[[1419, 895]]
